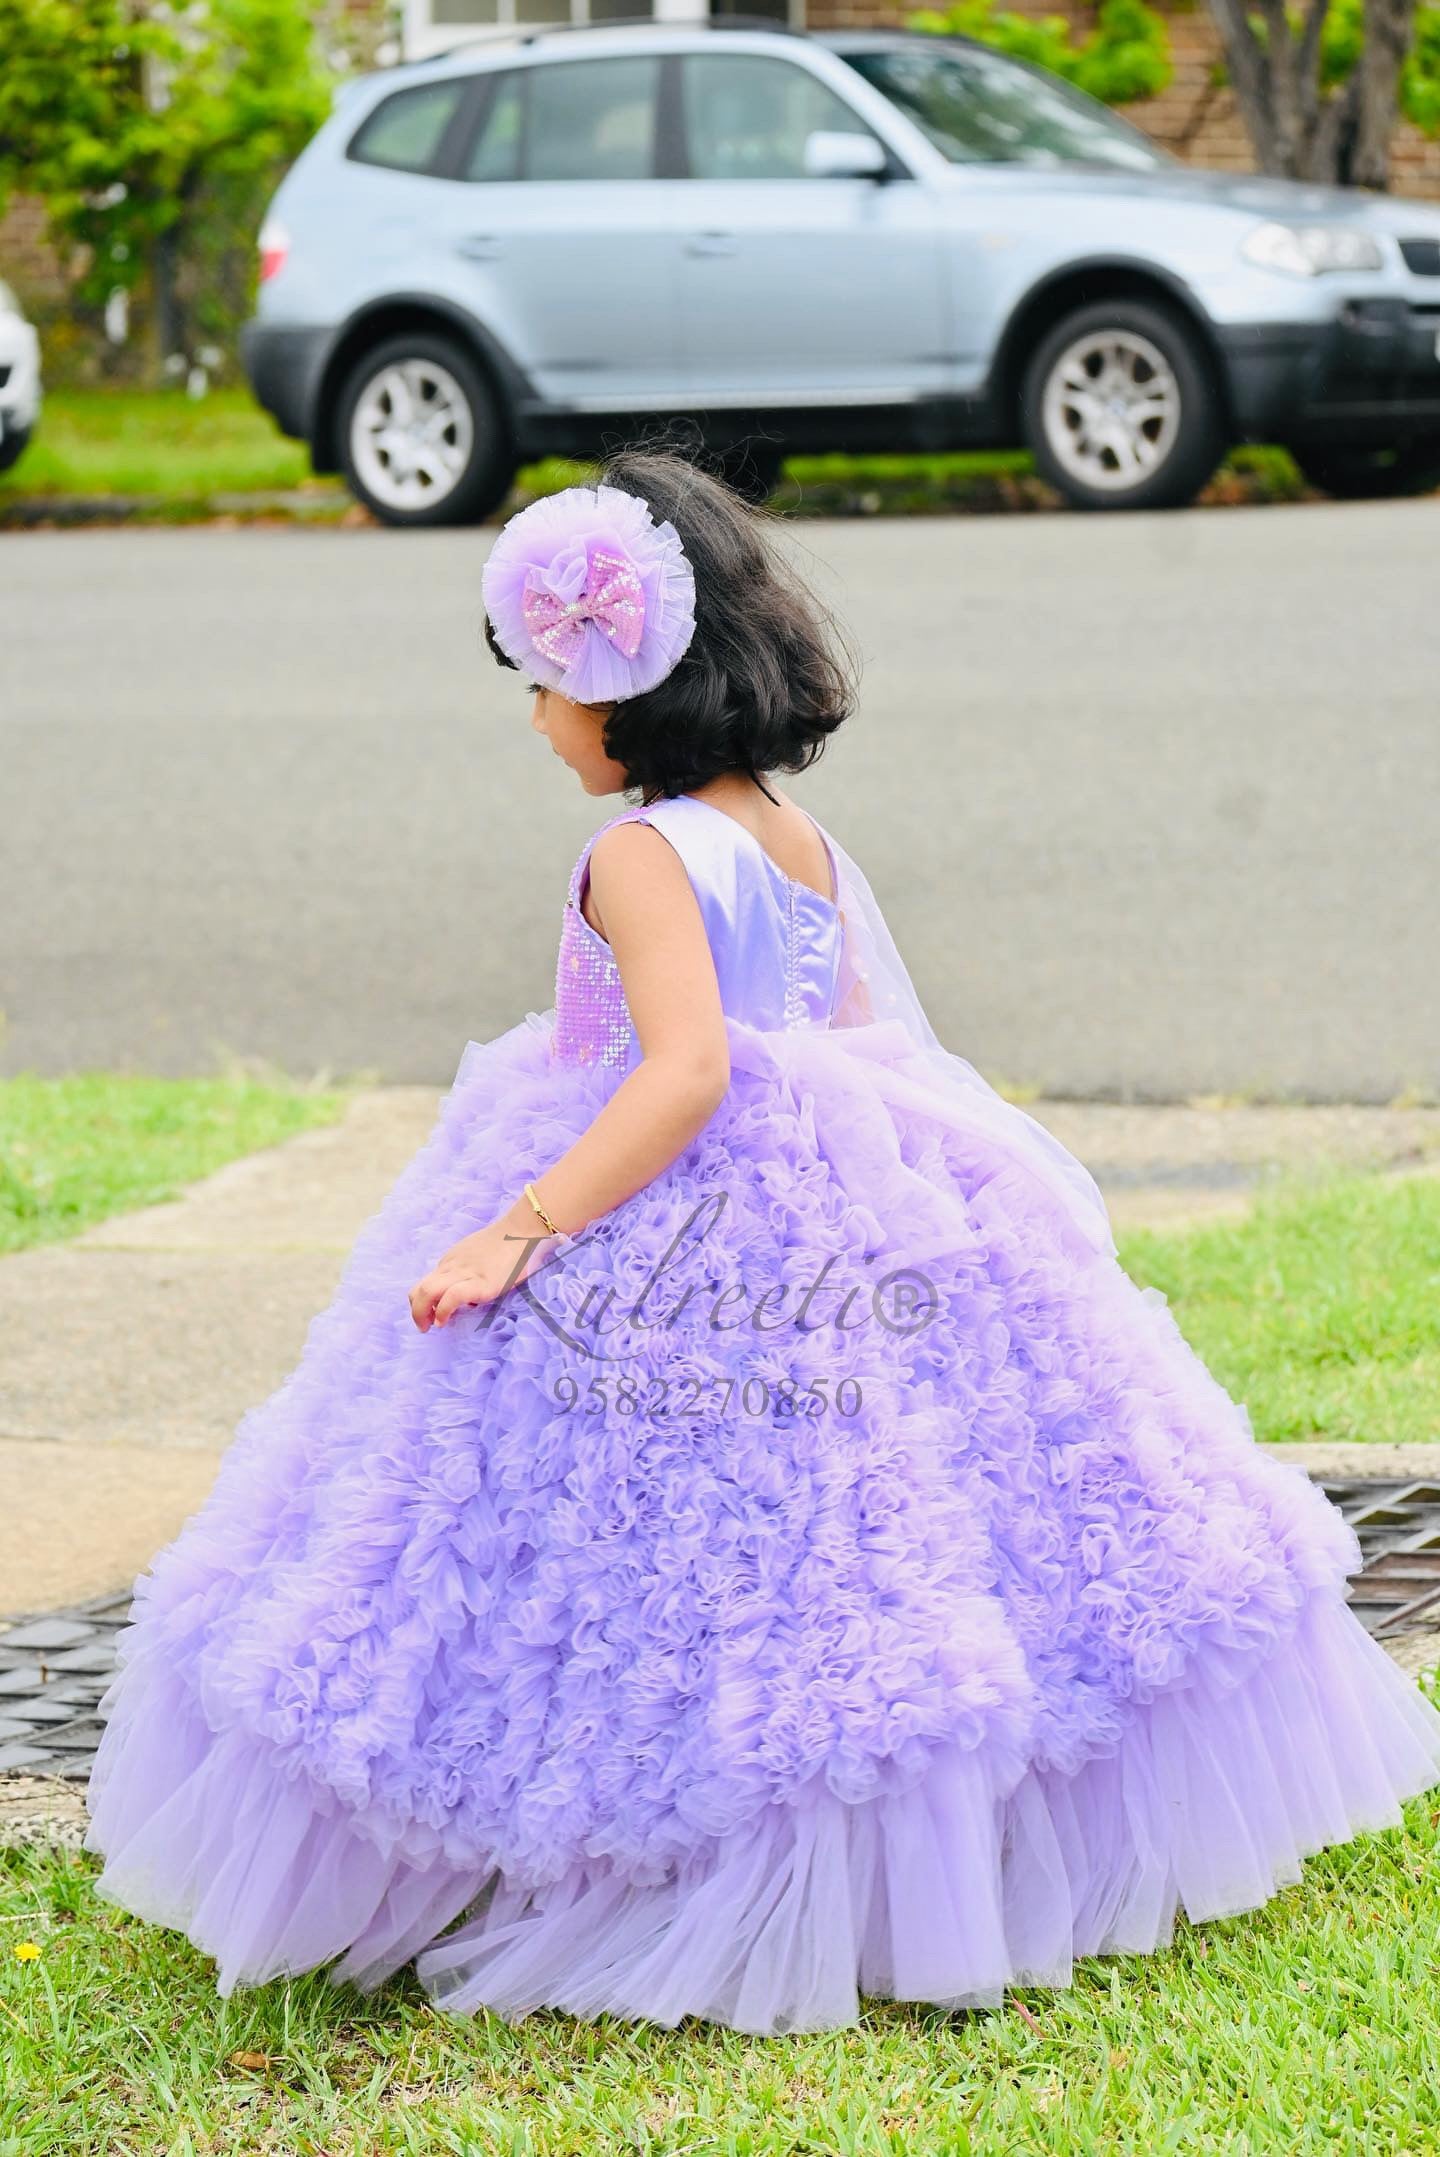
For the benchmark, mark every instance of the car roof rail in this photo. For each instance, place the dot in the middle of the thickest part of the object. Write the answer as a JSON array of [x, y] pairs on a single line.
[[896, 33], [739, 20], [532, 33]]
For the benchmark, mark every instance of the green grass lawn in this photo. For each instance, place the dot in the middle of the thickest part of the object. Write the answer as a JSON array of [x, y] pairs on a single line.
[[1307, 2027], [131, 442], [74, 1150], [1321, 1310], [184, 450], [104, 442]]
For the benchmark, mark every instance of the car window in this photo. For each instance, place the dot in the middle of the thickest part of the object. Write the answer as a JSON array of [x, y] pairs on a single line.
[[495, 152], [748, 117], [591, 119], [979, 108], [405, 130]]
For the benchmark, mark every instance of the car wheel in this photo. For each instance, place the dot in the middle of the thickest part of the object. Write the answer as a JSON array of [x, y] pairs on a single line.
[[13, 447], [1120, 408], [421, 436], [1358, 475]]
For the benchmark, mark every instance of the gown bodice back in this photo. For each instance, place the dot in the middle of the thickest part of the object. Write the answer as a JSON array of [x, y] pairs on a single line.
[[776, 942]]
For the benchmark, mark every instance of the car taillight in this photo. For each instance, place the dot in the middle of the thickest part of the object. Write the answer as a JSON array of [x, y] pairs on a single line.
[[274, 247]]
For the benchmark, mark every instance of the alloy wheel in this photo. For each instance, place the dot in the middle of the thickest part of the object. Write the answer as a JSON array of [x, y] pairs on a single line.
[[1111, 409], [412, 434]]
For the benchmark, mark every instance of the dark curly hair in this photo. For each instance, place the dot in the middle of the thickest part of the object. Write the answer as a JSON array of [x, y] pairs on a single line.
[[766, 678]]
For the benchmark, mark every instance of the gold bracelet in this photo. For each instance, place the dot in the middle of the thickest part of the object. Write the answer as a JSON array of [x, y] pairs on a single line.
[[550, 1228]]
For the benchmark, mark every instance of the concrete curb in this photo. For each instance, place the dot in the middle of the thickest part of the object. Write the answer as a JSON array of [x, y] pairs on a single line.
[[67, 512]]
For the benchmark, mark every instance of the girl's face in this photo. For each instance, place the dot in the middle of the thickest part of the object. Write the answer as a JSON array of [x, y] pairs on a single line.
[[575, 732]]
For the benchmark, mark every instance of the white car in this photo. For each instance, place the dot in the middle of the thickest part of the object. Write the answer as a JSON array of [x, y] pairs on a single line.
[[19, 378]]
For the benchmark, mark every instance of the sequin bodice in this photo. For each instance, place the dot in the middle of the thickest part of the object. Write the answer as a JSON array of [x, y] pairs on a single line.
[[775, 942], [592, 1019]]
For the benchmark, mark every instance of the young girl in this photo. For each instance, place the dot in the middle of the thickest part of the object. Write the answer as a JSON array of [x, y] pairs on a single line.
[[736, 1540]]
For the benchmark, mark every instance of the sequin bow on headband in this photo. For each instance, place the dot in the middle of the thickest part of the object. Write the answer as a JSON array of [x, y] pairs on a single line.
[[610, 595], [589, 595]]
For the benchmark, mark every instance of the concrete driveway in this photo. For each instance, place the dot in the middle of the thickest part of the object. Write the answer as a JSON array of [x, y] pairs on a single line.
[[1151, 802]]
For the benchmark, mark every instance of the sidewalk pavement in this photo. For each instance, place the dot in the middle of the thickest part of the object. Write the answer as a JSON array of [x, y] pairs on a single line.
[[128, 1355]]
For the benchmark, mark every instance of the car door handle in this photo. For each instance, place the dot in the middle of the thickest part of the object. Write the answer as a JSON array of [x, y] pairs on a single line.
[[711, 243], [480, 246]]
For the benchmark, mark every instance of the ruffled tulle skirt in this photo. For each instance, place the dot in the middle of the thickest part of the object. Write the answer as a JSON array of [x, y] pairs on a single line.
[[745, 1711], [949, 1893]]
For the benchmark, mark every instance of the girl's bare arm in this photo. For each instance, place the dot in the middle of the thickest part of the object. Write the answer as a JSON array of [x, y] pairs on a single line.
[[653, 924]]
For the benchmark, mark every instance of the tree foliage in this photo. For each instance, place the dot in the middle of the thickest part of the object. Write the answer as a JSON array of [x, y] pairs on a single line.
[[1125, 57], [1343, 40], [1420, 78], [154, 130]]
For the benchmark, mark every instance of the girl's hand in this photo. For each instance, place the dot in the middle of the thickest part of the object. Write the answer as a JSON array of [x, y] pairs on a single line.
[[477, 1269]]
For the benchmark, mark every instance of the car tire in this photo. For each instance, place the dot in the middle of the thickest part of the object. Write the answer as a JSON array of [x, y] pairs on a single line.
[[13, 447], [421, 436], [1151, 431], [1360, 475]]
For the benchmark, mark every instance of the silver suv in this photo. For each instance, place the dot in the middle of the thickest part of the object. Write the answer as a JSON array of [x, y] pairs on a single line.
[[859, 241]]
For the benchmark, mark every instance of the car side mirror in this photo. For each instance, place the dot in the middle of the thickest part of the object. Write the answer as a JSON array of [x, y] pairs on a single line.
[[831, 155]]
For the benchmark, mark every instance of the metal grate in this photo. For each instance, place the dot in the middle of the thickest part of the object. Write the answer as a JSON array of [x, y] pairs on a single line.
[[53, 1670], [1398, 1526]]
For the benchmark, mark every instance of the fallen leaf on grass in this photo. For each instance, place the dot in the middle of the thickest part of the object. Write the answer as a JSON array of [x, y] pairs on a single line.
[[254, 2063]]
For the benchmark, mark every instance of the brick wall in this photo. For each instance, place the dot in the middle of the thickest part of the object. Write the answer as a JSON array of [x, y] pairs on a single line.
[[27, 261]]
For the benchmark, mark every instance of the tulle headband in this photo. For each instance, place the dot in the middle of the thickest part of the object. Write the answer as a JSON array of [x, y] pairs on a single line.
[[586, 593]]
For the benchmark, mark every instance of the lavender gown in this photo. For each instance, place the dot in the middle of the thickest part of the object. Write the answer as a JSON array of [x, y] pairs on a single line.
[[717, 1651]]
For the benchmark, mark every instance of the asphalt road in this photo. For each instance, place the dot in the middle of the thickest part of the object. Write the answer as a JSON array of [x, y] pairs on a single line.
[[1152, 803]]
